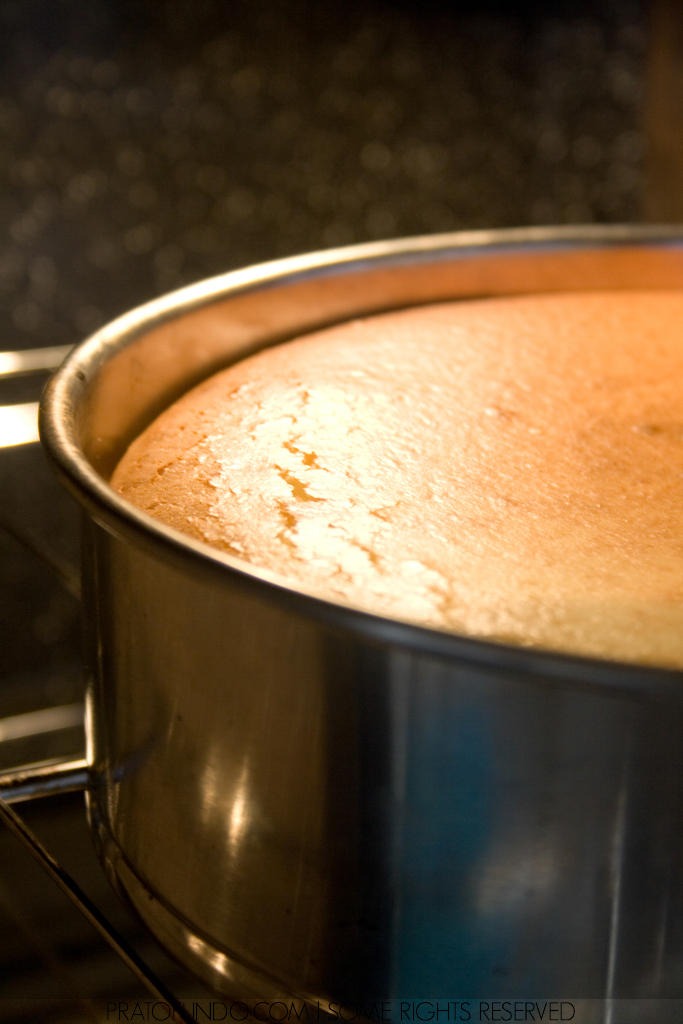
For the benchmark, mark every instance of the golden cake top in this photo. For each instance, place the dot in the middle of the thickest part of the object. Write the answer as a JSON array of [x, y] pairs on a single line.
[[505, 468]]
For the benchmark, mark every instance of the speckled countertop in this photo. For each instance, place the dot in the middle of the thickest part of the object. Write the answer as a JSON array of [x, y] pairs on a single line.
[[147, 144]]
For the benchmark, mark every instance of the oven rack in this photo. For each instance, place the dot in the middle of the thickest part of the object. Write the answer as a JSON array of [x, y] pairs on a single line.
[[22, 375], [42, 781]]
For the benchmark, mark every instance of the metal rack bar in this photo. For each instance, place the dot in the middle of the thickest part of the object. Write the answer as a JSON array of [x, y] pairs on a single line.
[[56, 777], [46, 780], [19, 362]]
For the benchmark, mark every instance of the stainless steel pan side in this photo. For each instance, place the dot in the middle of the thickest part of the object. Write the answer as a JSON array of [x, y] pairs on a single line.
[[302, 798]]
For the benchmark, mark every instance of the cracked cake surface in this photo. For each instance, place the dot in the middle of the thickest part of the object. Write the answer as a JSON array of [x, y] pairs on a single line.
[[508, 468]]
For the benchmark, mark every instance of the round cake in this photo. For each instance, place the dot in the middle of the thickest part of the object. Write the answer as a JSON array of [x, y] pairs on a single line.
[[507, 468]]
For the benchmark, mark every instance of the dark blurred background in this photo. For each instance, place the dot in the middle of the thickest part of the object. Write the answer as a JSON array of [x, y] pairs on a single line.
[[147, 143]]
